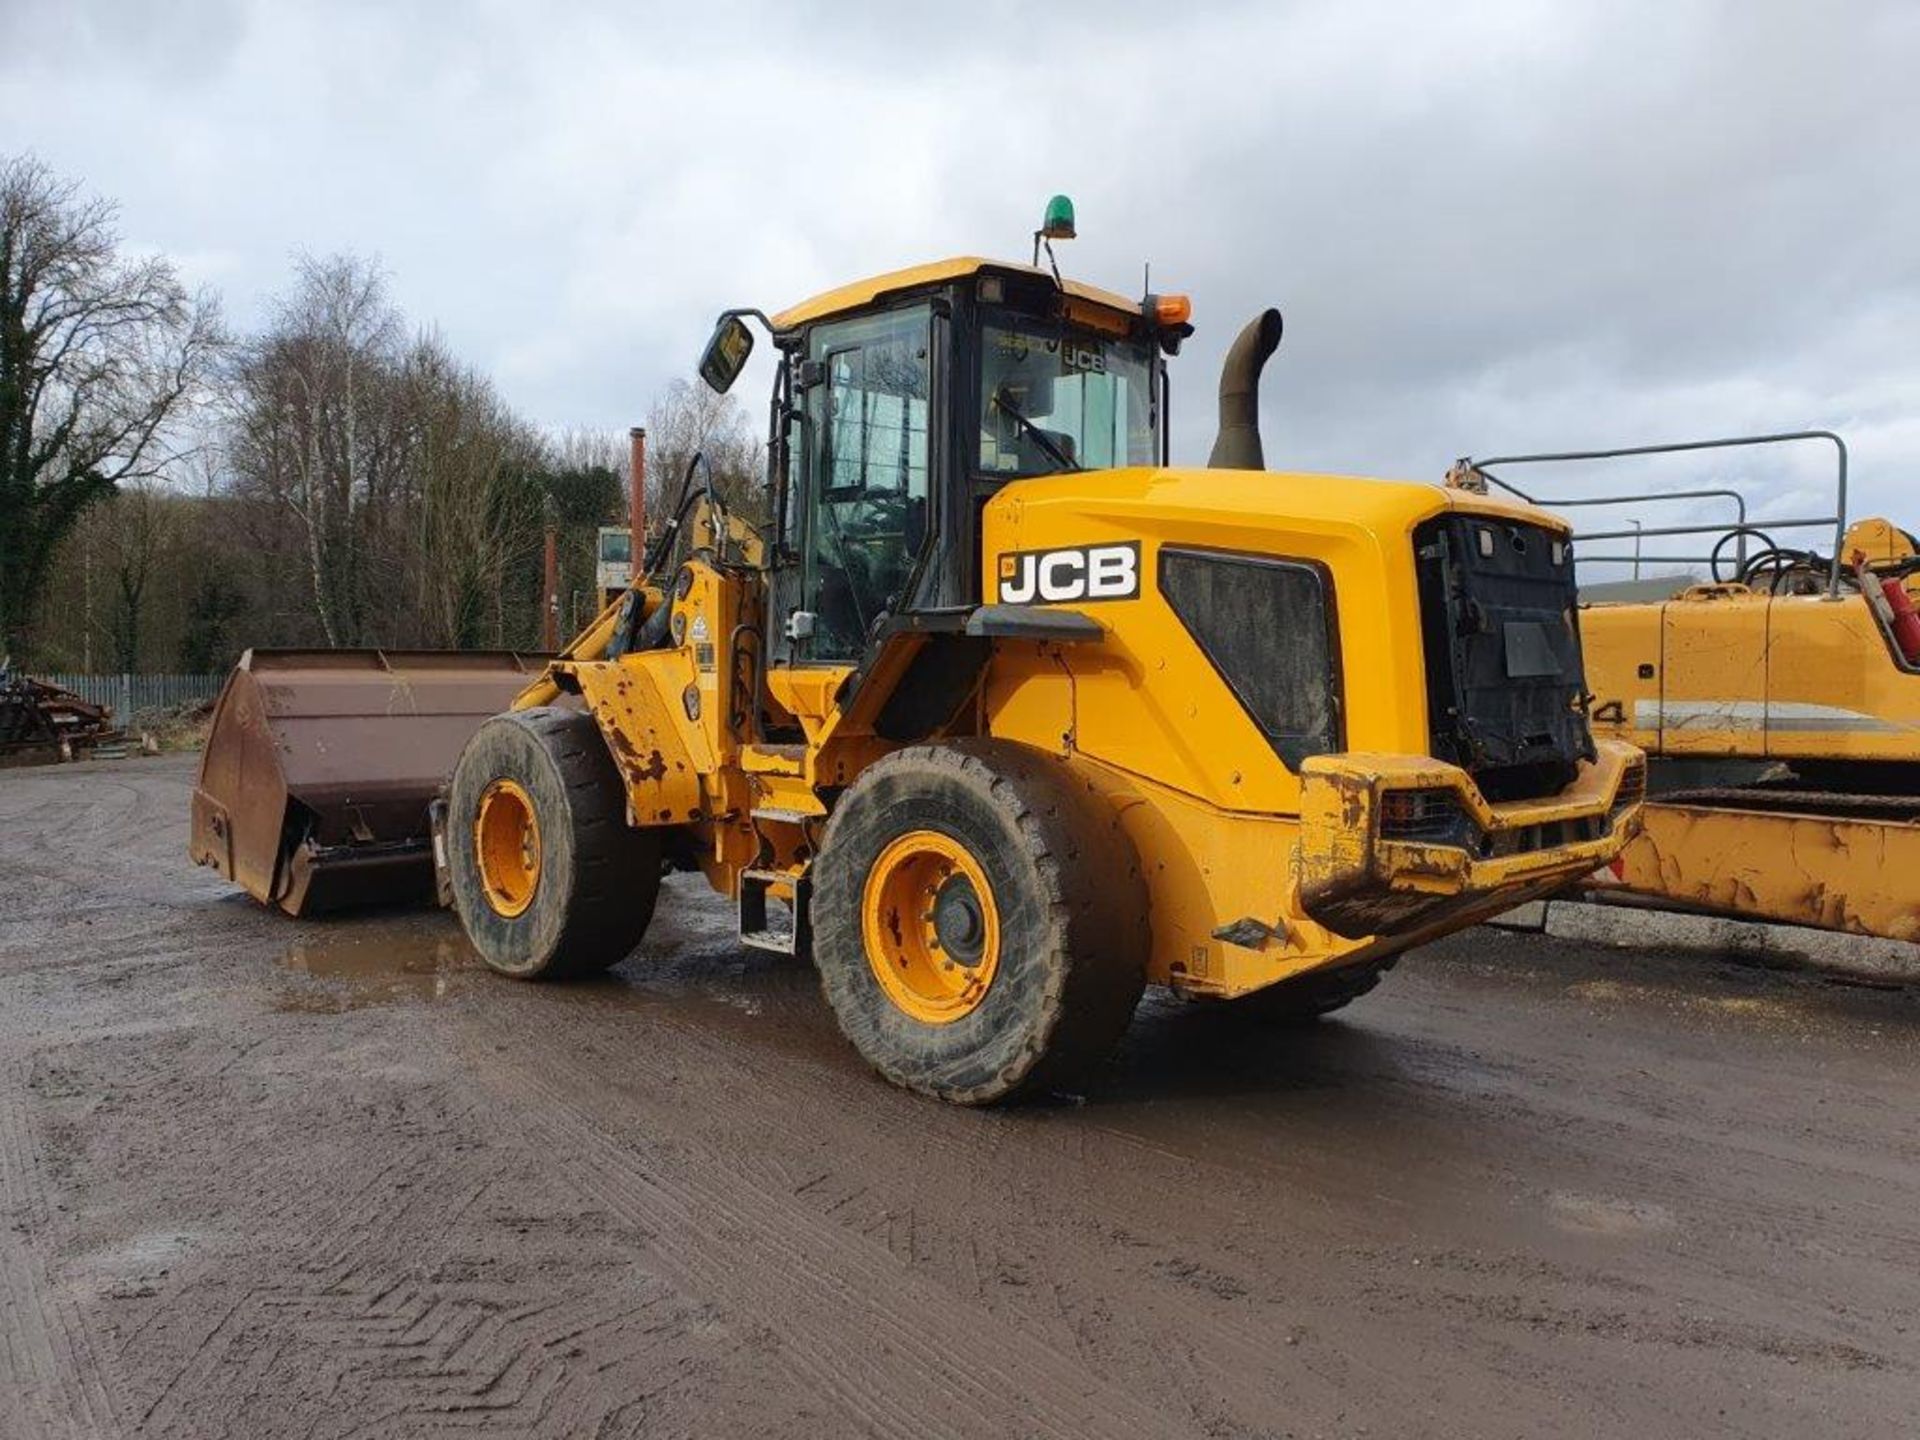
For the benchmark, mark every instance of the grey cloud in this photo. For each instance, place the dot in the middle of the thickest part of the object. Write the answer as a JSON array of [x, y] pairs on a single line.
[[1497, 227]]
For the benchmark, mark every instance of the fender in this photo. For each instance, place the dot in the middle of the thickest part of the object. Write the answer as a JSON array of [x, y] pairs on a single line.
[[660, 751]]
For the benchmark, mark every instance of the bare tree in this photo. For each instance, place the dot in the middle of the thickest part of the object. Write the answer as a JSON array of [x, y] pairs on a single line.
[[140, 533], [585, 449], [475, 476], [320, 428], [687, 419], [100, 354]]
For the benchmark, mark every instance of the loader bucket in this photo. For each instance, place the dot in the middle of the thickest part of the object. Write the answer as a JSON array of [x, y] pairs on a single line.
[[320, 765]]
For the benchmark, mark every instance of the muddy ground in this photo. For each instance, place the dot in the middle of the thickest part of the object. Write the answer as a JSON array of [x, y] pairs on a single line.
[[264, 1178]]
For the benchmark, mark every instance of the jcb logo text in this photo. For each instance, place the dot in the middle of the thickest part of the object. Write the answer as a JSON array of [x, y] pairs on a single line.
[[1081, 572]]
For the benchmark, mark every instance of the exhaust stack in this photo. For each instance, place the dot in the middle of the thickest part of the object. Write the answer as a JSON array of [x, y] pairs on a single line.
[[637, 501], [1237, 446]]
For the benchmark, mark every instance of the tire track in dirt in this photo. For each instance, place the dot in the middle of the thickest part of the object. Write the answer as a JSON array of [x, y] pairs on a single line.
[[375, 1309], [674, 1204], [1047, 1255], [53, 1381], [1353, 1316], [903, 1355], [391, 1290], [1212, 1338], [1063, 1269]]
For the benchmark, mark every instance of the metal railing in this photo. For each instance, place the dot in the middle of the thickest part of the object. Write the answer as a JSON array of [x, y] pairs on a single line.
[[1738, 531], [129, 694]]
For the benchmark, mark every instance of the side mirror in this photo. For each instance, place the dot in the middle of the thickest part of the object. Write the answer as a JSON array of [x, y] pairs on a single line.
[[726, 353]]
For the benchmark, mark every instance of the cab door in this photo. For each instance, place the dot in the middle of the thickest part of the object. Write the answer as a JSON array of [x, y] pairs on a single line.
[[864, 516]]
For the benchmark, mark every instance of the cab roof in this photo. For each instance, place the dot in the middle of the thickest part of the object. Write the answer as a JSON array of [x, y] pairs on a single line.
[[864, 292]]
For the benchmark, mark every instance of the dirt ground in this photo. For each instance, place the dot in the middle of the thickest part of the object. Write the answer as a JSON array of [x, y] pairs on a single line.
[[264, 1178]]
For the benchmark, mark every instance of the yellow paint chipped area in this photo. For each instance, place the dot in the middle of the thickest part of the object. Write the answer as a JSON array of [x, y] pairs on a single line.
[[1829, 871]]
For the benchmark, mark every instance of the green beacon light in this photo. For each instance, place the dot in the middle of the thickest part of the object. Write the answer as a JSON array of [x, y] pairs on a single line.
[[1058, 224]]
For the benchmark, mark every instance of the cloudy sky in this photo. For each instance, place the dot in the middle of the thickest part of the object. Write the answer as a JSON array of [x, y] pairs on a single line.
[[1491, 227]]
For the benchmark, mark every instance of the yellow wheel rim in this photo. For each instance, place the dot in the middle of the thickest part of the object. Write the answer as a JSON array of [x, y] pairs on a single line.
[[931, 929], [506, 844]]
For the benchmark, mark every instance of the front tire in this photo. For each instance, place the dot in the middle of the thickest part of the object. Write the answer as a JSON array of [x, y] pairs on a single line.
[[979, 921], [548, 878]]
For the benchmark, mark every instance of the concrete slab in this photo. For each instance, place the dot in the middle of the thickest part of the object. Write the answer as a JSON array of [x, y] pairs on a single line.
[[1855, 956]]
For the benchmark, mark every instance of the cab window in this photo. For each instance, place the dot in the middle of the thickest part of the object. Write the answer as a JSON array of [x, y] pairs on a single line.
[[616, 547], [867, 515], [1052, 401]]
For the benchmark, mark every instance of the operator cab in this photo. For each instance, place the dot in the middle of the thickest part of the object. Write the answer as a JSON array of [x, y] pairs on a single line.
[[613, 562], [902, 404]]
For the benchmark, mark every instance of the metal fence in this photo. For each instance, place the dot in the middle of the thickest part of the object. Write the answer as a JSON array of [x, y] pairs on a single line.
[[130, 694]]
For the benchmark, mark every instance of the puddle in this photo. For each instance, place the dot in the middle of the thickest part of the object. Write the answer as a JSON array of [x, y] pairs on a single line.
[[1606, 1215], [376, 969]]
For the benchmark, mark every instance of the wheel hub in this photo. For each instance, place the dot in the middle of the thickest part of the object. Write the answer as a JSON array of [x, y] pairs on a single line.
[[930, 926], [506, 847], [959, 922]]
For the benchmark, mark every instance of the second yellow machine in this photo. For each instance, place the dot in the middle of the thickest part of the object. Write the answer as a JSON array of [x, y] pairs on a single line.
[[1002, 717], [1778, 702]]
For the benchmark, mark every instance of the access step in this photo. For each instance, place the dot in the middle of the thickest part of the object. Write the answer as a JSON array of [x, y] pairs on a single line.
[[769, 921], [786, 816]]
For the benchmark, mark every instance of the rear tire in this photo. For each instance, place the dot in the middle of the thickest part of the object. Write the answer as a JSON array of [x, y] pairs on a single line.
[[1060, 933], [578, 896], [1302, 1001]]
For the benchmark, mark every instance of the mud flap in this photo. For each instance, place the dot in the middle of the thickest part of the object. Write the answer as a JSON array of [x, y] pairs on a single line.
[[442, 872]]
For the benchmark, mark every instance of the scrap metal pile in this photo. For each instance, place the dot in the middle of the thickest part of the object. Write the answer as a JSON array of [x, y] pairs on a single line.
[[36, 717]]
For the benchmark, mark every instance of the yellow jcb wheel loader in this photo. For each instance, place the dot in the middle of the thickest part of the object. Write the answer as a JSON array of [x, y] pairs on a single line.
[[1776, 691], [1004, 717]]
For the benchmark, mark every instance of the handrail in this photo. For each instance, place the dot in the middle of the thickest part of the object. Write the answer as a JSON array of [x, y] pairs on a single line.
[[1740, 526], [1807, 524], [1838, 520]]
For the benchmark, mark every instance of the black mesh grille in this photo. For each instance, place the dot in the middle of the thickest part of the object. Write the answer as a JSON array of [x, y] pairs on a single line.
[[1548, 835], [1506, 686], [1267, 627], [1633, 789]]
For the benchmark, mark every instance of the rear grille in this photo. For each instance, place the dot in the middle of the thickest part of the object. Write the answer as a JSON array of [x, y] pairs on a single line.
[[1633, 789], [1525, 839], [1506, 686], [1431, 816], [1437, 817]]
